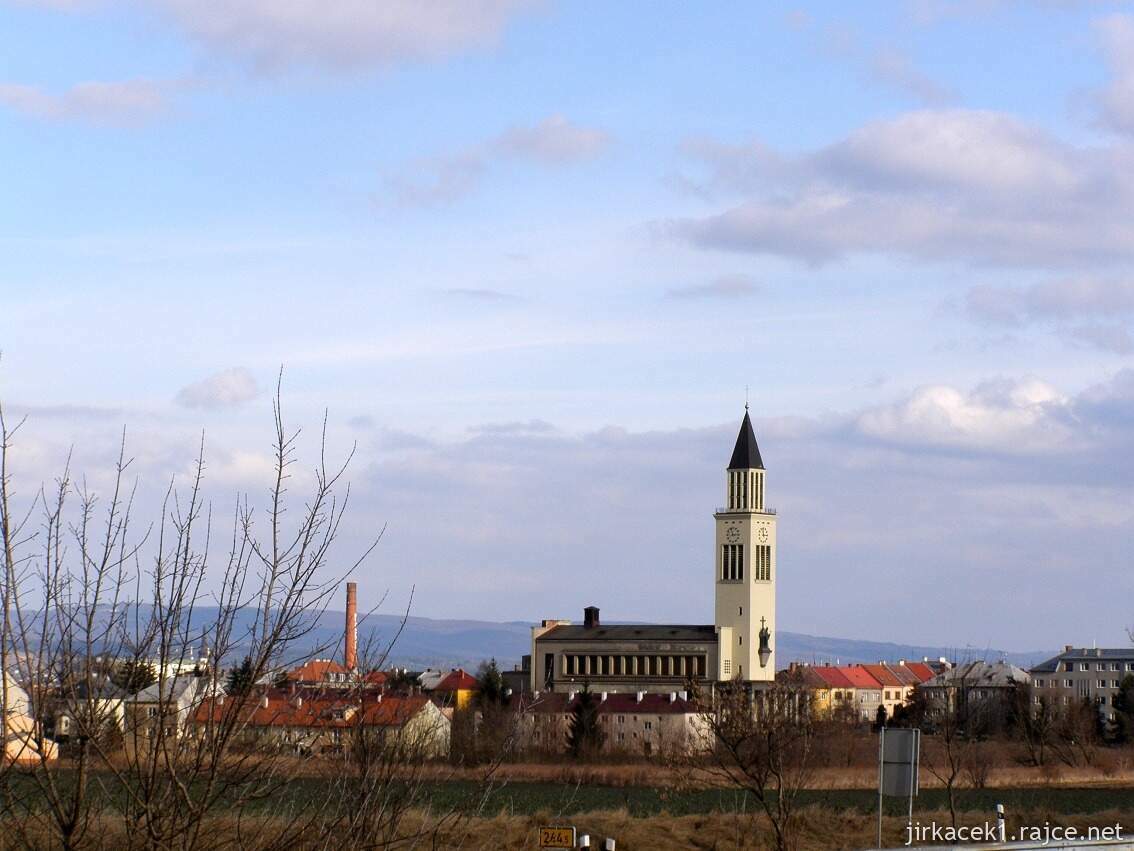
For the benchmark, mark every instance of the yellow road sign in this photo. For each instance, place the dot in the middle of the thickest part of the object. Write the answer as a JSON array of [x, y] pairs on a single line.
[[557, 837]]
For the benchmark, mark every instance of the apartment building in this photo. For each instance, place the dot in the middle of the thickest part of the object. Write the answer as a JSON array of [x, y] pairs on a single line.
[[1083, 673]]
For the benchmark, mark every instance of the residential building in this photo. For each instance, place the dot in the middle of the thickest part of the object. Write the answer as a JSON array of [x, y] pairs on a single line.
[[661, 658], [167, 705], [632, 724], [855, 692], [319, 673], [88, 707], [456, 689], [972, 683], [1083, 673], [17, 727], [307, 723]]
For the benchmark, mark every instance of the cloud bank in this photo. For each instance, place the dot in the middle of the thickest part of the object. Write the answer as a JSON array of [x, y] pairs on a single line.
[[974, 186]]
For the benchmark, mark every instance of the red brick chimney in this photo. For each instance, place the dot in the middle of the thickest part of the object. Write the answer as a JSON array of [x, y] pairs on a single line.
[[351, 639]]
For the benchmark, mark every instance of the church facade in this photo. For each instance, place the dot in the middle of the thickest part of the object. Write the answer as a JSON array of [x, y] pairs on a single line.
[[738, 645]]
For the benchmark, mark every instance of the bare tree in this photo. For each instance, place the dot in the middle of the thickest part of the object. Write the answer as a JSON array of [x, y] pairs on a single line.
[[762, 741], [83, 601]]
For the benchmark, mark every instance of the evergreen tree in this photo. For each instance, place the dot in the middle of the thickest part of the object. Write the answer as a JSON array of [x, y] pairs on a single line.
[[490, 684], [880, 718], [240, 679], [1122, 728], [133, 675], [584, 736]]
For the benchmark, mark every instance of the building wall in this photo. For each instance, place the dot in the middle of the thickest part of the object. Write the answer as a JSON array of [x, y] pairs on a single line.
[[1082, 676], [619, 667]]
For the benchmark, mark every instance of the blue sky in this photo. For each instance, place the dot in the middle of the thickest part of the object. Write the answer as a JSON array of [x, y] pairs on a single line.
[[529, 256]]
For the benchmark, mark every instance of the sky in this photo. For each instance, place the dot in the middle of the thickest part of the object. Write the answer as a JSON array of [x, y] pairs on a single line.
[[530, 258]]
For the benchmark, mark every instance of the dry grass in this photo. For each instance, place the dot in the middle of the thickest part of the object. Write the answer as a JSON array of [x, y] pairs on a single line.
[[820, 829]]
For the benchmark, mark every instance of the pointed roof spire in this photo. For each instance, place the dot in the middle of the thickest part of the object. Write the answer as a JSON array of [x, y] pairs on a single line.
[[746, 455]]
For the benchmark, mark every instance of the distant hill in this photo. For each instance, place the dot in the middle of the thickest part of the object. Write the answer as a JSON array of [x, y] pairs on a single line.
[[429, 642], [450, 643]]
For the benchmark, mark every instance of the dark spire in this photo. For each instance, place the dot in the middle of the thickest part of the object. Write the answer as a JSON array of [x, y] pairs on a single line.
[[746, 455]]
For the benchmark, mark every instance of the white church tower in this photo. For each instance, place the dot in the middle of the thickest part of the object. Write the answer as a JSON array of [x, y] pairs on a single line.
[[746, 568]]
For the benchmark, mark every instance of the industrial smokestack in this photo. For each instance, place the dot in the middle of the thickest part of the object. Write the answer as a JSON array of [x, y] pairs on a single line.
[[351, 639]]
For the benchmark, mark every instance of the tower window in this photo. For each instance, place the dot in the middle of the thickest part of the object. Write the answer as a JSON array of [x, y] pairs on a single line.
[[762, 563], [732, 562]]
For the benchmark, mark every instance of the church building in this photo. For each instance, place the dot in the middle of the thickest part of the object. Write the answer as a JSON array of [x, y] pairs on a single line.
[[663, 657]]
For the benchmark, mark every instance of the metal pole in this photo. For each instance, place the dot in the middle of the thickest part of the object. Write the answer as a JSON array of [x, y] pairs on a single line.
[[881, 748], [914, 759]]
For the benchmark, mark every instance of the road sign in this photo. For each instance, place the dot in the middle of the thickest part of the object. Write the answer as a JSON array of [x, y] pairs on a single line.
[[557, 837], [899, 762], [898, 755]]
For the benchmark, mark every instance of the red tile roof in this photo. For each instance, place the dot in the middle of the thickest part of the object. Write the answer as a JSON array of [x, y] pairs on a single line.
[[832, 677], [922, 671], [882, 673], [284, 710], [315, 671], [457, 680], [859, 676]]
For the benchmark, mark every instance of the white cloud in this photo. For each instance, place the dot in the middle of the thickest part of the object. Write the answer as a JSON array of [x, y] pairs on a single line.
[[1008, 416], [1085, 310], [1066, 298], [343, 34], [1116, 100], [122, 102], [553, 142], [968, 185], [226, 389]]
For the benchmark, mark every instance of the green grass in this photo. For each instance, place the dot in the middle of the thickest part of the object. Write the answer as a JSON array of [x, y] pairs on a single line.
[[527, 798]]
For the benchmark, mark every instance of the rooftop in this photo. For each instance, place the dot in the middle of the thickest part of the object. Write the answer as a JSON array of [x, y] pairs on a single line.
[[632, 632], [746, 454]]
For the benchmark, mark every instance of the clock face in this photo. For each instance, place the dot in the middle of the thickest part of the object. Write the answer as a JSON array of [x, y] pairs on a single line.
[[762, 535], [732, 535]]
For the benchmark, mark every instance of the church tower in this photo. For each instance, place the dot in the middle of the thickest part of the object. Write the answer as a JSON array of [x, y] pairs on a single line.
[[745, 572]]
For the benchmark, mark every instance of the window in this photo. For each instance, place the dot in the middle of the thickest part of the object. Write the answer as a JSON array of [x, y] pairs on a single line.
[[732, 562], [1039, 683], [1102, 683], [740, 639], [740, 611], [648, 725], [1115, 684], [1114, 666], [1068, 683], [762, 563], [1083, 666]]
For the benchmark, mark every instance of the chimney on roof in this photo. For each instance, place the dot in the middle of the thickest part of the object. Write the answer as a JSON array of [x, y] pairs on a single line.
[[350, 641], [901, 661], [1067, 648], [590, 617]]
